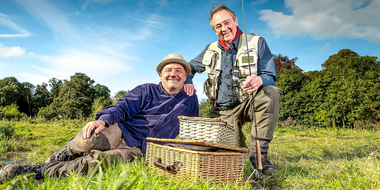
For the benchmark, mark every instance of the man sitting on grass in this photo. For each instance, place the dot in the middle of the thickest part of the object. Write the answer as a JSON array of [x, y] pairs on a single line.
[[119, 131]]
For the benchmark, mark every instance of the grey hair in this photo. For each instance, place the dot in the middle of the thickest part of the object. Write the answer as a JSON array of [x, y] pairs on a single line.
[[217, 8]]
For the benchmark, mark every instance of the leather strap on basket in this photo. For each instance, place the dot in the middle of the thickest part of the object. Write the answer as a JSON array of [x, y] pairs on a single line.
[[173, 168]]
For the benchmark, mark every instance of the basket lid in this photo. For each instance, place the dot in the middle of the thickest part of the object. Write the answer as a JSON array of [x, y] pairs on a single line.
[[200, 143], [201, 119]]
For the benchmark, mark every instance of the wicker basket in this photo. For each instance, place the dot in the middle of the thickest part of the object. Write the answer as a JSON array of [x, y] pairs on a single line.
[[184, 163], [214, 130]]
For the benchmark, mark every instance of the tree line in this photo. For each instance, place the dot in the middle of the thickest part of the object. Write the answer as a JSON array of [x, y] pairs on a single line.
[[343, 94], [68, 99]]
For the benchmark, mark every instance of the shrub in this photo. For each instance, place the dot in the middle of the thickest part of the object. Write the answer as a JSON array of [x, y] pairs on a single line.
[[47, 113], [11, 112], [6, 130]]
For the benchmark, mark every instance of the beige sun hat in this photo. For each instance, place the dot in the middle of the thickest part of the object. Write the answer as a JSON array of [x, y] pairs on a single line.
[[174, 58]]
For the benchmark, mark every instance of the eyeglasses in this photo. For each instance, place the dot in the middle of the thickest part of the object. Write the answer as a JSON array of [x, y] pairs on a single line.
[[226, 23]]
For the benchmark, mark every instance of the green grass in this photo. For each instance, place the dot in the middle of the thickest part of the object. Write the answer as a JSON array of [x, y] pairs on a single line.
[[305, 159]]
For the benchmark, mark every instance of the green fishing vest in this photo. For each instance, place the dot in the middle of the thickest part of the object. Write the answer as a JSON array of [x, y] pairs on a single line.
[[212, 61]]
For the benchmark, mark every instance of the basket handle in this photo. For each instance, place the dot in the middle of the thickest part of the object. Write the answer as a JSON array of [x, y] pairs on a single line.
[[173, 168]]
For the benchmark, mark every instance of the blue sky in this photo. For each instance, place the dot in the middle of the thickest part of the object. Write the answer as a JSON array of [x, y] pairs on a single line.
[[119, 43]]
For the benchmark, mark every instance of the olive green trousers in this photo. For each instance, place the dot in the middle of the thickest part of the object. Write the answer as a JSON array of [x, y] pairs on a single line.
[[266, 102], [108, 145]]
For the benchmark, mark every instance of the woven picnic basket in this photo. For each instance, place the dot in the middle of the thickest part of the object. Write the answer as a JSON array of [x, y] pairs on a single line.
[[221, 163], [211, 129]]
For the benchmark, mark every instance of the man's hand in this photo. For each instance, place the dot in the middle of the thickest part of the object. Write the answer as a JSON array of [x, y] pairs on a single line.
[[98, 125], [252, 83], [189, 89]]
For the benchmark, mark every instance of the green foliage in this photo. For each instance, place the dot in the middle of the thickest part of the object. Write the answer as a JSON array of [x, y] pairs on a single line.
[[11, 112], [49, 112], [99, 104], [318, 158], [6, 130], [204, 108], [75, 98], [9, 91], [119, 95], [283, 63], [344, 94]]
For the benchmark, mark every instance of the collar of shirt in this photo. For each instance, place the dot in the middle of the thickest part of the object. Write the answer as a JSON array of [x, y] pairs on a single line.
[[233, 45]]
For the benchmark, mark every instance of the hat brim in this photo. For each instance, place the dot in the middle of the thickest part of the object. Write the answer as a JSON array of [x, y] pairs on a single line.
[[185, 64]]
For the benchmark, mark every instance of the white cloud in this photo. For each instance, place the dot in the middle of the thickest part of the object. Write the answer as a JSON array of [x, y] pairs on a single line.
[[357, 19], [5, 21], [99, 50], [325, 47], [65, 65], [11, 51], [258, 2], [162, 2], [35, 79], [51, 15]]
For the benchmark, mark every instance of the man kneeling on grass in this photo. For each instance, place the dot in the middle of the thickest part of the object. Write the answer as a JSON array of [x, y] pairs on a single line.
[[119, 132]]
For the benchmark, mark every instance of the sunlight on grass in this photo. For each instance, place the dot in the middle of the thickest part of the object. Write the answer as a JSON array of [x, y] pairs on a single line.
[[304, 158]]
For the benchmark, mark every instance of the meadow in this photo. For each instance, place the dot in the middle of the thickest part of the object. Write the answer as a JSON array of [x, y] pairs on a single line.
[[306, 158]]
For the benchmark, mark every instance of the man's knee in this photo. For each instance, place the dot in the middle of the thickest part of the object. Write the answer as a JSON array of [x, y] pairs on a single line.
[[82, 146], [273, 92], [107, 139]]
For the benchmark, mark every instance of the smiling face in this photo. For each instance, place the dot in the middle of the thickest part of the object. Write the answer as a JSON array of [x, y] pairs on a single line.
[[173, 76], [224, 26]]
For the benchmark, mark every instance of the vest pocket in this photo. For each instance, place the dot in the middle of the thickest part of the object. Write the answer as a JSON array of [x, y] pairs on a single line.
[[209, 89], [244, 63], [210, 60]]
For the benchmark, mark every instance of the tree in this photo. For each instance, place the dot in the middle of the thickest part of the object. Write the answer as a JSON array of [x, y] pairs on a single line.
[[101, 91], [76, 97], [99, 104], [9, 91], [42, 96], [283, 63], [294, 101], [55, 86], [119, 95], [204, 108], [27, 101]]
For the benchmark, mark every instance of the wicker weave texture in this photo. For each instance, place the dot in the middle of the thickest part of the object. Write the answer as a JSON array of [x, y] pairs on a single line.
[[197, 165], [213, 130]]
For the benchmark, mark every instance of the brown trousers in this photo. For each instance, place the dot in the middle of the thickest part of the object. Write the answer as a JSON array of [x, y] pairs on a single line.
[[267, 106], [109, 144]]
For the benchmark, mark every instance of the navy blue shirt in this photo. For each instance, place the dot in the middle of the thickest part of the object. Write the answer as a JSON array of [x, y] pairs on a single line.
[[226, 95], [149, 111]]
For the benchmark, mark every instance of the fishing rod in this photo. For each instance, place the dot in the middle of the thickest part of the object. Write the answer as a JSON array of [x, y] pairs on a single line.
[[258, 172]]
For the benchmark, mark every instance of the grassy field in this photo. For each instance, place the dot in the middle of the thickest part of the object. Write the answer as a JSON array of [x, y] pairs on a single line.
[[305, 159]]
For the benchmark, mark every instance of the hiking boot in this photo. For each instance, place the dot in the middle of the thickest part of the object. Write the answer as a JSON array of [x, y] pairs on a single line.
[[268, 167], [11, 171], [60, 155]]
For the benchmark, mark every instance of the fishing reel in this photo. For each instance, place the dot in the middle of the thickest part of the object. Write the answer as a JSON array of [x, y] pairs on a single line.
[[235, 77]]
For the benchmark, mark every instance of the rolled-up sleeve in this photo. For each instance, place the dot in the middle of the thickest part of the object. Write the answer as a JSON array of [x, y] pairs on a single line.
[[266, 67]]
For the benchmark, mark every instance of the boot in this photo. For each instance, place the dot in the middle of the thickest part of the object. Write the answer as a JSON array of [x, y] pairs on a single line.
[[11, 171], [268, 167], [60, 155]]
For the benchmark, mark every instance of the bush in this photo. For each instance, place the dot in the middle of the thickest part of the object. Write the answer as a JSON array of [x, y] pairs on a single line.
[[47, 113], [6, 130], [11, 112]]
